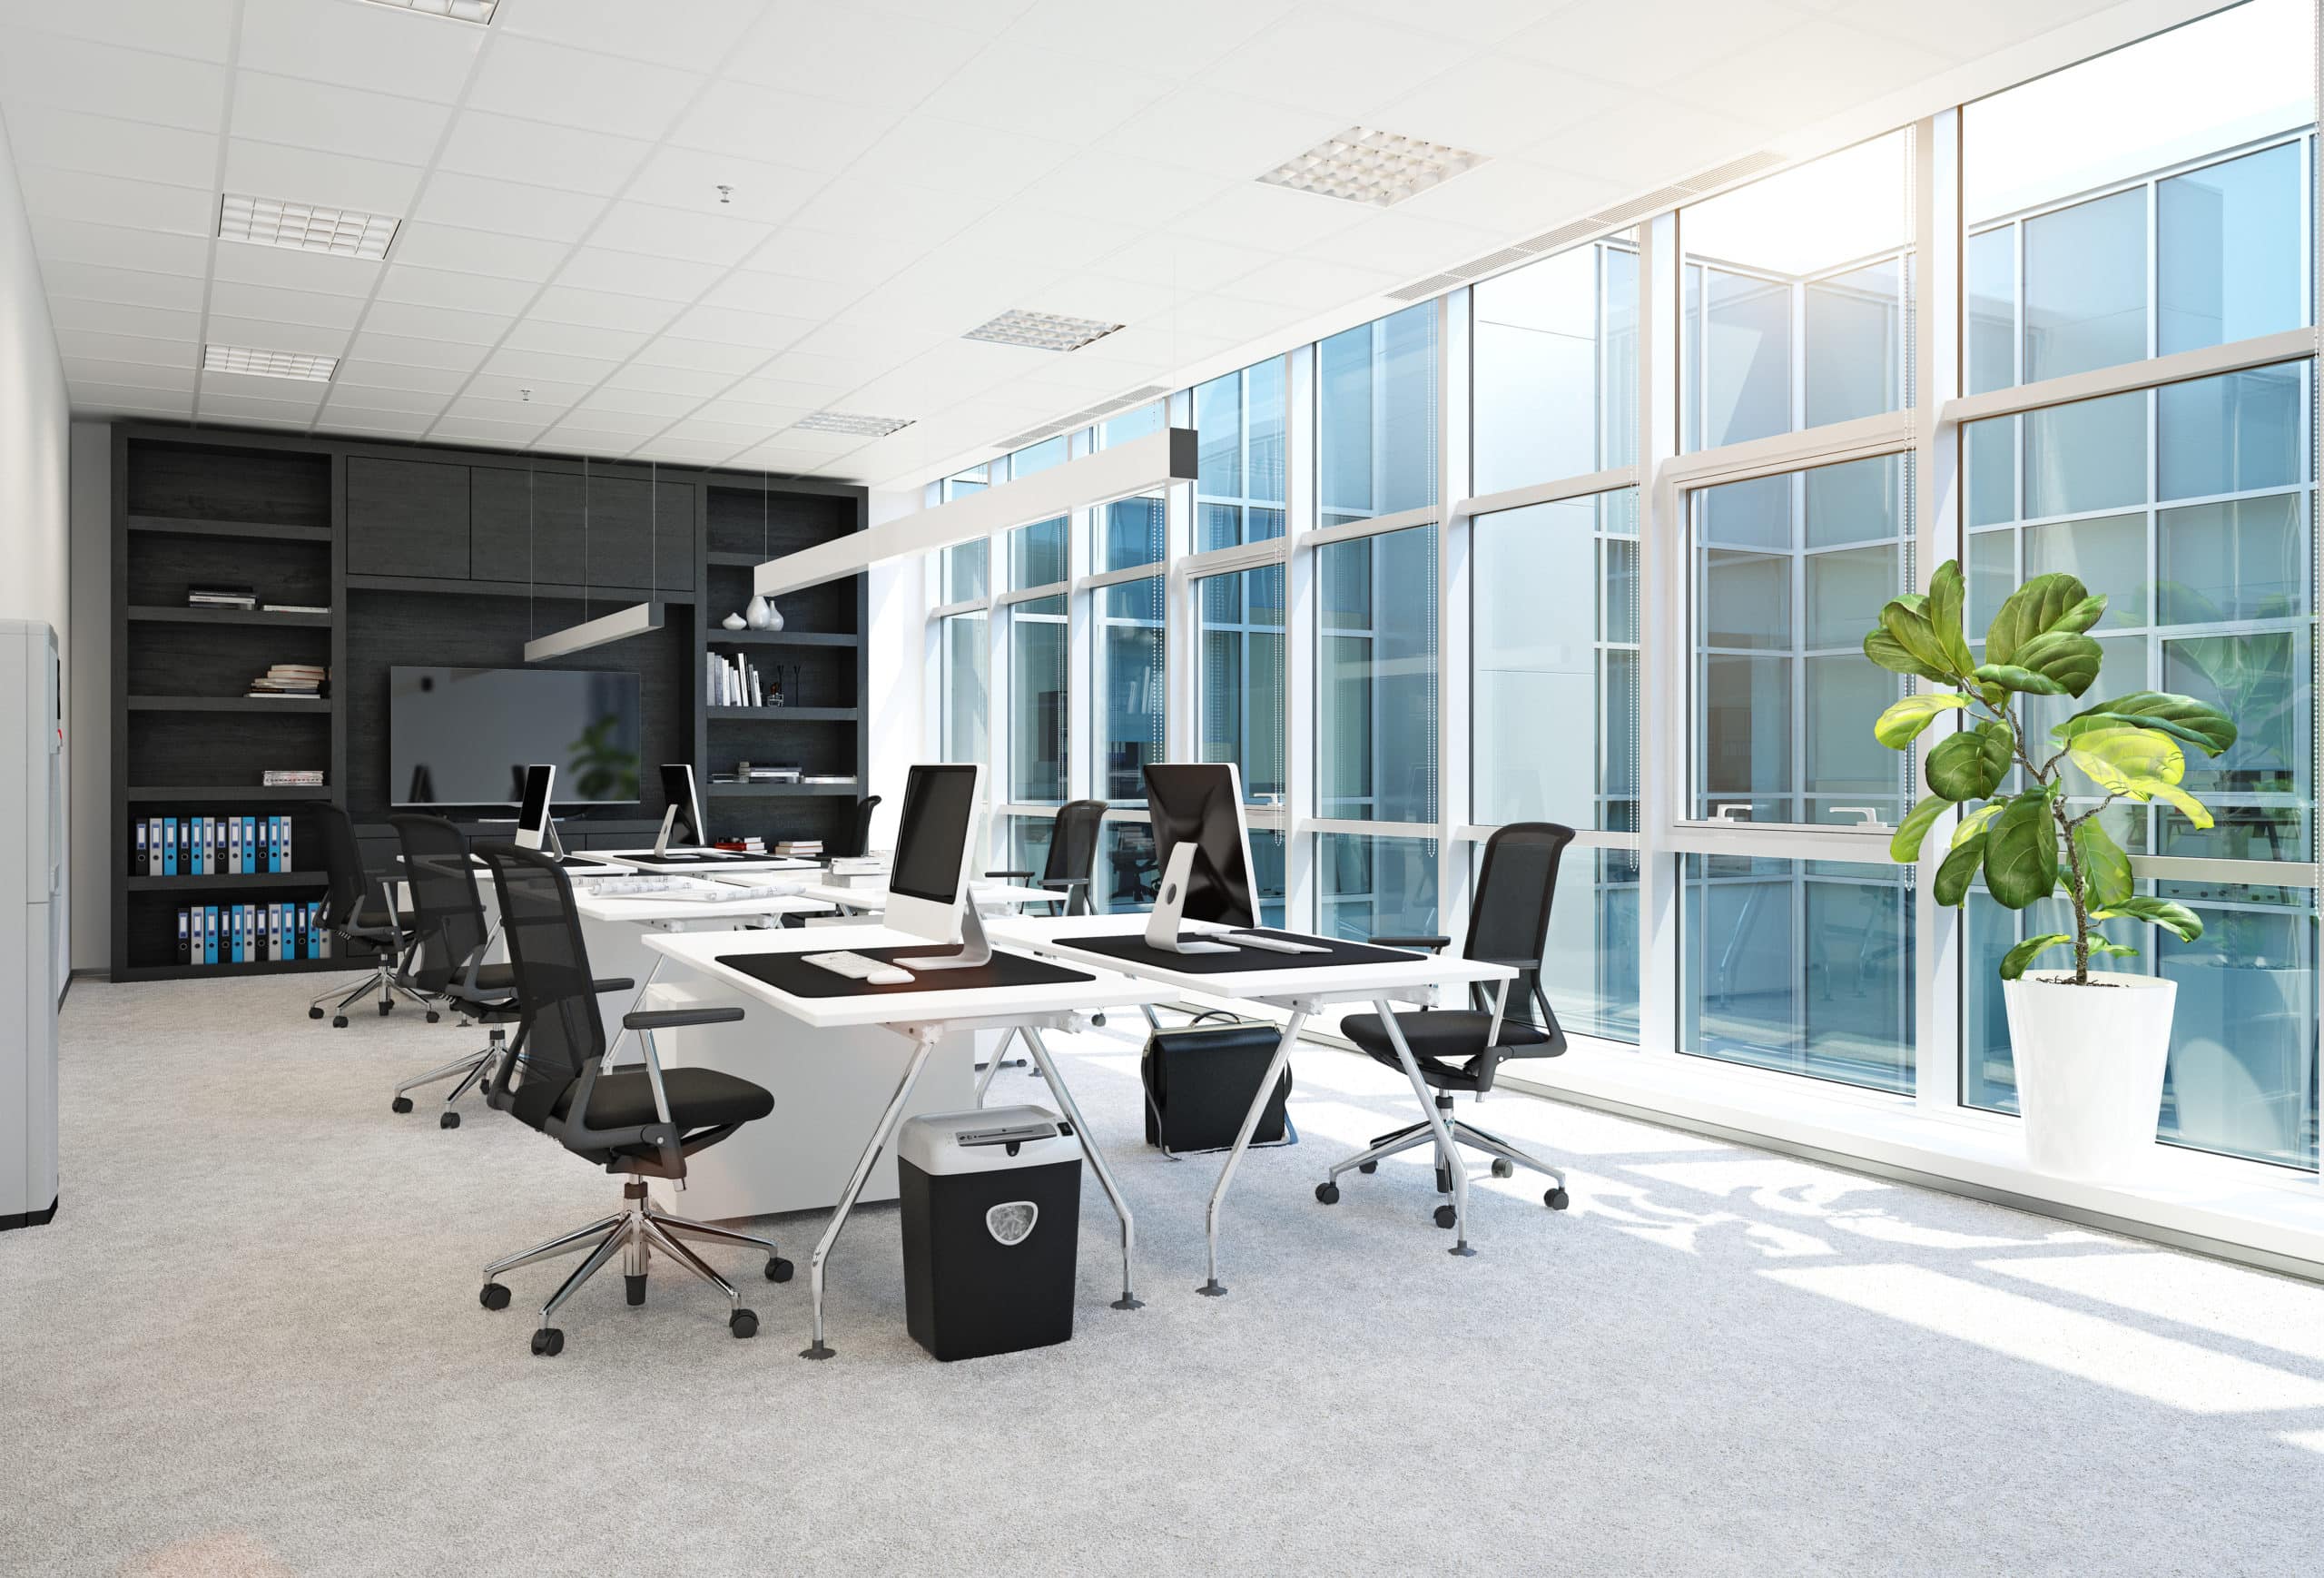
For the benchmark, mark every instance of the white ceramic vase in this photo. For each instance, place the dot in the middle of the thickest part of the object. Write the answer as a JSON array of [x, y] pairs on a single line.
[[757, 612], [733, 622], [2090, 1062]]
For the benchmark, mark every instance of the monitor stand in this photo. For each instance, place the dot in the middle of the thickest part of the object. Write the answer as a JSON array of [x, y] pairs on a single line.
[[669, 824], [975, 951], [1162, 926]]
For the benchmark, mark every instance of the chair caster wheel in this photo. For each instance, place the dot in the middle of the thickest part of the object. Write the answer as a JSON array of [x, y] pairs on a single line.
[[1329, 1193], [433, 1016], [1367, 1167], [743, 1324], [1503, 1168], [314, 1013], [401, 1104], [778, 1269], [449, 1120], [1098, 1020], [338, 1021], [386, 1008], [1446, 1216], [1557, 1199], [493, 1296], [548, 1342]]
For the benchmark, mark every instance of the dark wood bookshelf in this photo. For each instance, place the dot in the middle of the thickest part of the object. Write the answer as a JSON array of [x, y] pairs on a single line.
[[226, 617], [188, 884]]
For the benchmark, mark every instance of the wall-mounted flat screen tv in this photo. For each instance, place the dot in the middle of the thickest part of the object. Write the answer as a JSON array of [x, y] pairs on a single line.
[[464, 737]]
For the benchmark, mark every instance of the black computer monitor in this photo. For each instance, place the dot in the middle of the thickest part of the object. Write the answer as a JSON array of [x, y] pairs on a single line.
[[1201, 803], [532, 812], [677, 789]]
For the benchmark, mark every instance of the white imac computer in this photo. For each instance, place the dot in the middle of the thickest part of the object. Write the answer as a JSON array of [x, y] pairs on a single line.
[[685, 805], [1205, 851], [928, 884], [535, 828]]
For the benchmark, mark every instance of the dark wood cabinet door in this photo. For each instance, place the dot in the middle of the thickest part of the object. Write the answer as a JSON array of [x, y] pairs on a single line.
[[527, 525], [407, 518]]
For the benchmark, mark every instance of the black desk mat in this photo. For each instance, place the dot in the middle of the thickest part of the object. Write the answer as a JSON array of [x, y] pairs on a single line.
[[1132, 948], [696, 857], [790, 972]]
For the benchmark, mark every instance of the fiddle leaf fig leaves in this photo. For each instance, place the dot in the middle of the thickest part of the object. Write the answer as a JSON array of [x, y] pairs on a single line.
[[2105, 868], [2182, 717], [1905, 843], [1902, 724], [2021, 852], [2051, 602], [1972, 763], [2013, 962]]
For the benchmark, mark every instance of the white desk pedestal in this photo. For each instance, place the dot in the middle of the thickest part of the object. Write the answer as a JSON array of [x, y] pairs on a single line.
[[830, 1087]]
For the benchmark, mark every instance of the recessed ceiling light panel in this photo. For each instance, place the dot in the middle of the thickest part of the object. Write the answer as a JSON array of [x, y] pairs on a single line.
[[1043, 330], [1378, 168], [847, 422], [267, 363], [306, 227], [477, 11]]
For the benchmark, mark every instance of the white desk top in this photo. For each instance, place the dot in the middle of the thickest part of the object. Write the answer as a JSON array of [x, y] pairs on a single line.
[[643, 860], [647, 908], [700, 951], [980, 892], [1321, 983]]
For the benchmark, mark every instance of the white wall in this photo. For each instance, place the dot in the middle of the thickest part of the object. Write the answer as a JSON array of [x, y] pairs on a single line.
[[896, 633], [33, 419]]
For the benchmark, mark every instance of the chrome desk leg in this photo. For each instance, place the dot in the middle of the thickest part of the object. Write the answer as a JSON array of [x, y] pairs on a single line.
[[1214, 1288], [1039, 1048], [923, 1039], [999, 1055], [1445, 1150]]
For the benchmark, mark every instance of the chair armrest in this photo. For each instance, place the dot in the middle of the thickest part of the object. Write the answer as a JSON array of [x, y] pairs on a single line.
[[670, 1019], [1430, 944], [613, 984], [1020, 876]]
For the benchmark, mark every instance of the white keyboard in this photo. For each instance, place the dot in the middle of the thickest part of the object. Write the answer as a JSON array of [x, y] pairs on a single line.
[[856, 967], [639, 887]]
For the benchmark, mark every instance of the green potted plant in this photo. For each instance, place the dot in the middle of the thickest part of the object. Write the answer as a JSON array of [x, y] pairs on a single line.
[[2089, 1049]]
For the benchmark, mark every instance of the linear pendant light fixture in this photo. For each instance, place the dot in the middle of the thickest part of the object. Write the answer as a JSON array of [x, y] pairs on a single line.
[[638, 618]]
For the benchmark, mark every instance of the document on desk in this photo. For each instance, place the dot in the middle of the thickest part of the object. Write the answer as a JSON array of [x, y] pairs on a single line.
[[1321, 953]]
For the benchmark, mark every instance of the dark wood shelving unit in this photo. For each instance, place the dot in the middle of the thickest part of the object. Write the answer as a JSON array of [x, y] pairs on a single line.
[[425, 555]]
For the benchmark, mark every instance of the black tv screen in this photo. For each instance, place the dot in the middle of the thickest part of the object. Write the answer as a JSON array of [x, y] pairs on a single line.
[[464, 737]]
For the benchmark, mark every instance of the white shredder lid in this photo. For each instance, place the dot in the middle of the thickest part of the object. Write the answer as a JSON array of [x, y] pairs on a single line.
[[949, 1143]]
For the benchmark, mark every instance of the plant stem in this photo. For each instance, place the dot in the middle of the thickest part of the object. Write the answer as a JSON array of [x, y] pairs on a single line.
[[2076, 894]]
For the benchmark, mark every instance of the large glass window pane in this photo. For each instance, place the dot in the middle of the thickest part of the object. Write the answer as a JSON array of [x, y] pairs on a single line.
[[965, 577], [1127, 869], [1238, 485], [1130, 532], [1037, 709], [1591, 973], [964, 658], [1795, 289], [2091, 455], [1129, 682], [1036, 553], [1376, 417], [1787, 574], [2229, 257], [2232, 434], [2136, 235], [1239, 675], [1370, 886], [1041, 456], [1375, 678], [1553, 734], [1555, 347], [1804, 966]]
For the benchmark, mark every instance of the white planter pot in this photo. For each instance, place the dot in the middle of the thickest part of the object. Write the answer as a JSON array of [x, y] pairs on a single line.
[[2090, 1062]]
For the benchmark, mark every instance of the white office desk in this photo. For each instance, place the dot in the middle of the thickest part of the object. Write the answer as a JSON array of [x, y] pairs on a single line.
[[1301, 991], [741, 865], [989, 898], [924, 1019]]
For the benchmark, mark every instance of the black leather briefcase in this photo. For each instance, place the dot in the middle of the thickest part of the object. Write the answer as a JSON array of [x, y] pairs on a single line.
[[1199, 1082]]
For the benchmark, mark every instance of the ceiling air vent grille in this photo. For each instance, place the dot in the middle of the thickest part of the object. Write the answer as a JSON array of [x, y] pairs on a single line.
[[1491, 261], [1428, 287]]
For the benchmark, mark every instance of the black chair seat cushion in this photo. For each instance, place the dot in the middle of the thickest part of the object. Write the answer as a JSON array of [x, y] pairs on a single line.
[[699, 1099], [1438, 1035]]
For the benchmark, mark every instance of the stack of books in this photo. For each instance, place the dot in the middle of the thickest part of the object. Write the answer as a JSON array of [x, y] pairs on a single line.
[[799, 849], [242, 598], [734, 683], [291, 679], [746, 845], [828, 778], [760, 773], [296, 608], [291, 778]]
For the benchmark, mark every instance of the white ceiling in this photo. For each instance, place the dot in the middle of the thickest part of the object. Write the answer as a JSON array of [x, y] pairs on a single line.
[[901, 171]]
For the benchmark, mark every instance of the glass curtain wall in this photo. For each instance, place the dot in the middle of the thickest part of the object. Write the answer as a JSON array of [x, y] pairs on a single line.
[[1560, 638]]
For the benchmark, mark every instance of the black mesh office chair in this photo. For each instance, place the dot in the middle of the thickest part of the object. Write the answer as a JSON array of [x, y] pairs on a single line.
[[643, 1123], [1072, 859], [857, 840], [1508, 923], [446, 961], [358, 919]]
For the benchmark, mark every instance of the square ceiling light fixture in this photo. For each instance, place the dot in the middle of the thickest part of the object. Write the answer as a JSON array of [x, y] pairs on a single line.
[[1041, 331], [477, 11], [271, 222], [847, 422], [267, 363], [1378, 168]]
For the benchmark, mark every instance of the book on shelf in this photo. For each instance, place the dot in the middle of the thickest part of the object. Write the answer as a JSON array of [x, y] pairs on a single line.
[[799, 849], [295, 607], [290, 778], [244, 598], [291, 679], [828, 778], [749, 844]]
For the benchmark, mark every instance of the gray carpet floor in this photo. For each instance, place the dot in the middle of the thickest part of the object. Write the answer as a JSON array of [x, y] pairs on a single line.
[[250, 1343]]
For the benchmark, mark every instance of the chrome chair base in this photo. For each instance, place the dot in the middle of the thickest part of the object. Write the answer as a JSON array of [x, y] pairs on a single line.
[[634, 1233], [1467, 1134], [471, 1070], [381, 980]]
